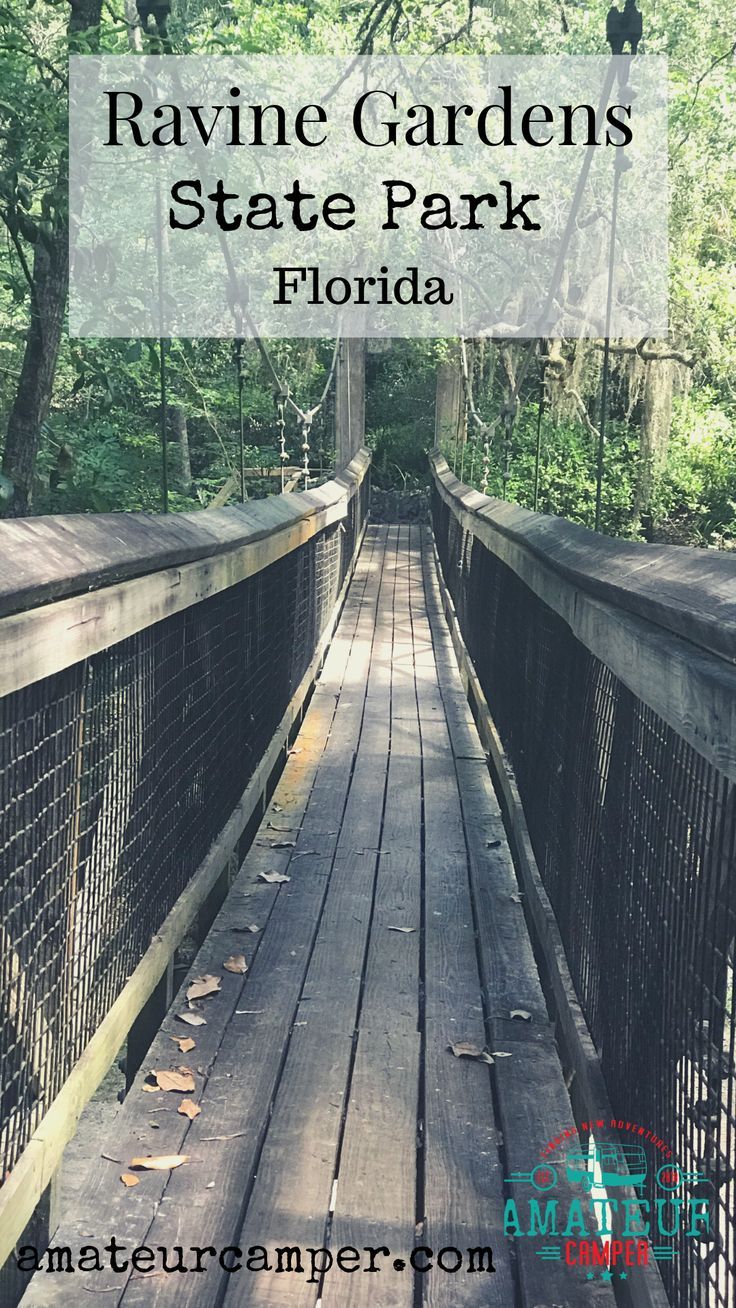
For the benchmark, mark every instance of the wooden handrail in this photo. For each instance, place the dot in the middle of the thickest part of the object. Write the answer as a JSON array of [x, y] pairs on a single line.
[[690, 592], [72, 586], [662, 618], [49, 558]]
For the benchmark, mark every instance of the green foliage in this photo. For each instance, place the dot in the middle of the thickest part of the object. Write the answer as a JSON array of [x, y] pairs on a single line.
[[101, 444], [400, 386], [695, 492]]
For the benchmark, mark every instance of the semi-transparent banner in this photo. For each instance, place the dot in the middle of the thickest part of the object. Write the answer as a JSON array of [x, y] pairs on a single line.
[[374, 196]]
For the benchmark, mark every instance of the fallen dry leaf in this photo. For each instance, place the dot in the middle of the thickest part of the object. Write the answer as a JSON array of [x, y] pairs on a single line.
[[276, 808], [185, 1043], [189, 1109], [129, 1179], [203, 986], [521, 1014], [466, 1049], [298, 750], [517, 898], [236, 963], [493, 844], [209, 1139], [273, 877], [192, 1019], [150, 1089], [405, 931], [500, 1053], [282, 844], [160, 1162], [240, 1012], [182, 1079]]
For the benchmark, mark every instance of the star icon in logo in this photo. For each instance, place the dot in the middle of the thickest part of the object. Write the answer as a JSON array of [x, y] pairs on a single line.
[[606, 1276]]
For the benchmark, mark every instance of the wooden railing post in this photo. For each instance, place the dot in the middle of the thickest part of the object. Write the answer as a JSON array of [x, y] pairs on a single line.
[[349, 401]]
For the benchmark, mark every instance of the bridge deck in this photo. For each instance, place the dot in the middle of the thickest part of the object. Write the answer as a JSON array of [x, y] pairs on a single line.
[[332, 1111]]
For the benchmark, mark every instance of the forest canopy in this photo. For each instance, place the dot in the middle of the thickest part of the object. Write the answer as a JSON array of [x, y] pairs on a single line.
[[80, 419]]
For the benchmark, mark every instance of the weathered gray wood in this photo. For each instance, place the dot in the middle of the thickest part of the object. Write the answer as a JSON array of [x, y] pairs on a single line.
[[375, 1194], [246, 1078], [463, 1175], [338, 1069], [449, 408], [35, 1169], [589, 1093], [534, 1108], [689, 592], [349, 399], [42, 641], [48, 558], [691, 689]]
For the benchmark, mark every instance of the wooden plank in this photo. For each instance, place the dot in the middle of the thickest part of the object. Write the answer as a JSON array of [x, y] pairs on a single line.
[[691, 689], [375, 1195], [590, 1094], [509, 971], [535, 1108], [506, 966], [241, 1088], [375, 1188], [391, 986], [45, 558], [42, 641], [296, 774], [689, 592], [309, 1102], [290, 1200], [463, 1190]]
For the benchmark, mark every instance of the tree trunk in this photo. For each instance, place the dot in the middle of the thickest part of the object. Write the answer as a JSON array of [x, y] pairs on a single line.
[[49, 287], [33, 394], [654, 434], [135, 35], [449, 413], [349, 400], [180, 434]]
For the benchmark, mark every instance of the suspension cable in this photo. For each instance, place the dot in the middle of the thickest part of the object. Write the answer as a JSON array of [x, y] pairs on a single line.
[[241, 429], [283, 397], [620, 164]]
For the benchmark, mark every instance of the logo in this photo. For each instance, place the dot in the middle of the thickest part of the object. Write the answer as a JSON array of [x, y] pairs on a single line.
[[608, 1208]]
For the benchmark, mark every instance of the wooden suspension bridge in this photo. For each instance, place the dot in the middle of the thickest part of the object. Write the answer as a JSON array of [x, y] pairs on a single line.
[[450, 813]]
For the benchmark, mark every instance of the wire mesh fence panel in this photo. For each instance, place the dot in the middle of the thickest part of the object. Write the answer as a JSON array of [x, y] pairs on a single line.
[[634, 833], [116, 776]]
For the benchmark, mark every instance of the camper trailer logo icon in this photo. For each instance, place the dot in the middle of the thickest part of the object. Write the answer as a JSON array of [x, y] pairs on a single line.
[[615, 1165], [603, 1208]]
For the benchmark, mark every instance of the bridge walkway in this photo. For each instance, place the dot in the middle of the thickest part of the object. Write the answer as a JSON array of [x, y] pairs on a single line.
[[320, 1103]]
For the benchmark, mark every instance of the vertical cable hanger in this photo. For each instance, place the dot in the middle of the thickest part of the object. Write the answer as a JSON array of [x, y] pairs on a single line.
[[241, 435], [306, 433], [621, 163], [163, 396], [279, 398], [282, 397], [538, 448]]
